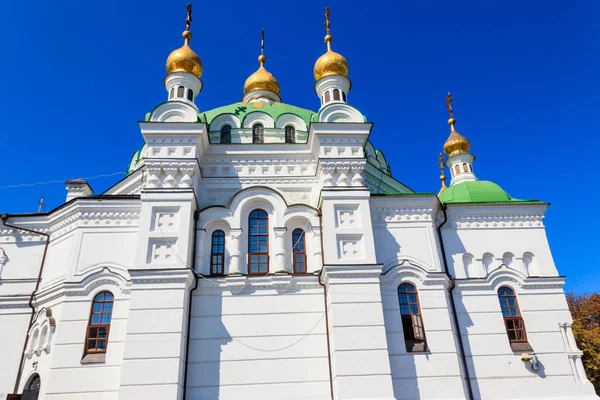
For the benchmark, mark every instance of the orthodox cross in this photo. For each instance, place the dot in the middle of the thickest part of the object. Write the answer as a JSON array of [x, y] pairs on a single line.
[[40, 204], [449, 104], [262, 42], [327, 11], [440, 163], [188, 20]]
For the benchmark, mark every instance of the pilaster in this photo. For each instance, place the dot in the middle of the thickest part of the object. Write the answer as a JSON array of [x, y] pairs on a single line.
[[358, 343]]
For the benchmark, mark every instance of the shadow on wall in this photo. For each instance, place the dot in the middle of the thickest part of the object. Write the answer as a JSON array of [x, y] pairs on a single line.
[[207, 337], [402, 364]]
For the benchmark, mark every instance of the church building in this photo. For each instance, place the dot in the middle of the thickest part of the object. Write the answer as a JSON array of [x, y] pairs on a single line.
[[260, 250]]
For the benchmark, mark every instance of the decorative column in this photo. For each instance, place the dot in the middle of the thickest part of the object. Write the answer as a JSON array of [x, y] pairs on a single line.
[[200, 235], [316, 245], [573, 353], [280, 260], [235, 251]]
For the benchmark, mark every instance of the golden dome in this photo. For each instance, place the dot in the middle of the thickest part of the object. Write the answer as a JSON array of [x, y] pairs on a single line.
[[330, 63], [184, 59], [261, 79], [456, 143]]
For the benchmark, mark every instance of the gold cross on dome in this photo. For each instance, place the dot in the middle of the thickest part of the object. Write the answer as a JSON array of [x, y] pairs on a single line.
[[449, 104], [327, 23], [188, 20]]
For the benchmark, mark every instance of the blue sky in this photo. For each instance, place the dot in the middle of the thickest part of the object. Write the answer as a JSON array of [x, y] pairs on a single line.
[[77, 76]]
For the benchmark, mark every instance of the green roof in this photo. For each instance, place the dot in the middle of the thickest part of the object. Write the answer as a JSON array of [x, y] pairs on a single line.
[[275, 110], [476, 192]]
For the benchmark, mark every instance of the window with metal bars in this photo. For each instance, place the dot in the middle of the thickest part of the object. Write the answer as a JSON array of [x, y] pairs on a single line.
[[412, 320], [515, 328], [96, 339], [290, 134], [299, 251], [258, 133], [225, 134], [258, 242], [217, 253]]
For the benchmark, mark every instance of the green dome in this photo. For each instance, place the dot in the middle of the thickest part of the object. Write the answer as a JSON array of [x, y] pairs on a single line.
[[475, 192]]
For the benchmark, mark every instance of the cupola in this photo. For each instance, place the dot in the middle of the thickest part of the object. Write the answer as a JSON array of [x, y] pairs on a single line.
[[459, 161], [331, 72], [261, 85], [184, 69]]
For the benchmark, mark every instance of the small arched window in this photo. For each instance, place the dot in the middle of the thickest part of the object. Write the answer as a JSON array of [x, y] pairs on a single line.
[[299, 251], [217, 253], [32, 388], [344, 96], [34, 340], [412, 321], [190, 95], [172, 93], [456, 169], [515, 328], [226, 134], [96, 339], [336, 94], [327, 97], [465, 167], [258, 133], [290, 134], [258, 242], [180, 91], [470, 168]]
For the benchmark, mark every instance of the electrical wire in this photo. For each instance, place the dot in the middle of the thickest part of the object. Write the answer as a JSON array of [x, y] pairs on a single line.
[[58, 181]]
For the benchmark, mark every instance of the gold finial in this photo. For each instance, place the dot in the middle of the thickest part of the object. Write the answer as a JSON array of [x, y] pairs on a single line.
[[188, 20], [442, 175], [451, 121], [328, 37]]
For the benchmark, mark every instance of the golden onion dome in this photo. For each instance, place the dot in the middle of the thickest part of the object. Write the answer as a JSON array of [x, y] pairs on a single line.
[[261, 79], [330, 63], [456, 143], [184, 59]]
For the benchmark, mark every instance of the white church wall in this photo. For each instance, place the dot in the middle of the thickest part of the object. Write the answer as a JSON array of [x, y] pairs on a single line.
[[490, 358], [497, 235], [437, 372], [259, 343]]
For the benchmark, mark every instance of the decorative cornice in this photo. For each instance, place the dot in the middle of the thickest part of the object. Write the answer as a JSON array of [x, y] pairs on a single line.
[[237, 284], [496, 220], [402, 214]]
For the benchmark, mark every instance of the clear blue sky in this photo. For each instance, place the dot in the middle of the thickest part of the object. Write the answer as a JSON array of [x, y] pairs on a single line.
[[77, 76]]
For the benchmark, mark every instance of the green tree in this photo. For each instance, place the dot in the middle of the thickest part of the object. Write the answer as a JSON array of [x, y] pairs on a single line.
[[585, 309]]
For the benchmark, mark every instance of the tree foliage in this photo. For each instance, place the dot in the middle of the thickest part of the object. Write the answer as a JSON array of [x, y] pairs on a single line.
[[585, 309]]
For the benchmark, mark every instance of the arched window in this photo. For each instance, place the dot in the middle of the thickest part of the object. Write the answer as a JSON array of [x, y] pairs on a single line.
[[470, 168], [172, 93], [344, 96], [456, 169], [217, 253], [336, 94], [465, 167], [34, 340], [258, 242], [327, 97], [226, 134], [190, 96], [32, 388], [290, 134], [96, 338], [515, 328], [412, 321], [258, 133], [180, 91], [299, 251]]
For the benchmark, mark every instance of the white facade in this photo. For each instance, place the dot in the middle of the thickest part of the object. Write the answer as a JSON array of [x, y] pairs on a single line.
[[334, 331]]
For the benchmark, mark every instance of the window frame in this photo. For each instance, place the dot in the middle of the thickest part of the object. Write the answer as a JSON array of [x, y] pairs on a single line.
[[180, 92], [91, 326], [214, 265], [290, 134], [515, 319], [299, 252], [225, 134], [258, 133], [258, 253], [417, 341], [190, 95]]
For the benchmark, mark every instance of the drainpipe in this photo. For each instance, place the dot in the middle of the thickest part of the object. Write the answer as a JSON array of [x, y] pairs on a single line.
[[4, 218], [320, 214], [189, 322], [452, 304]]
